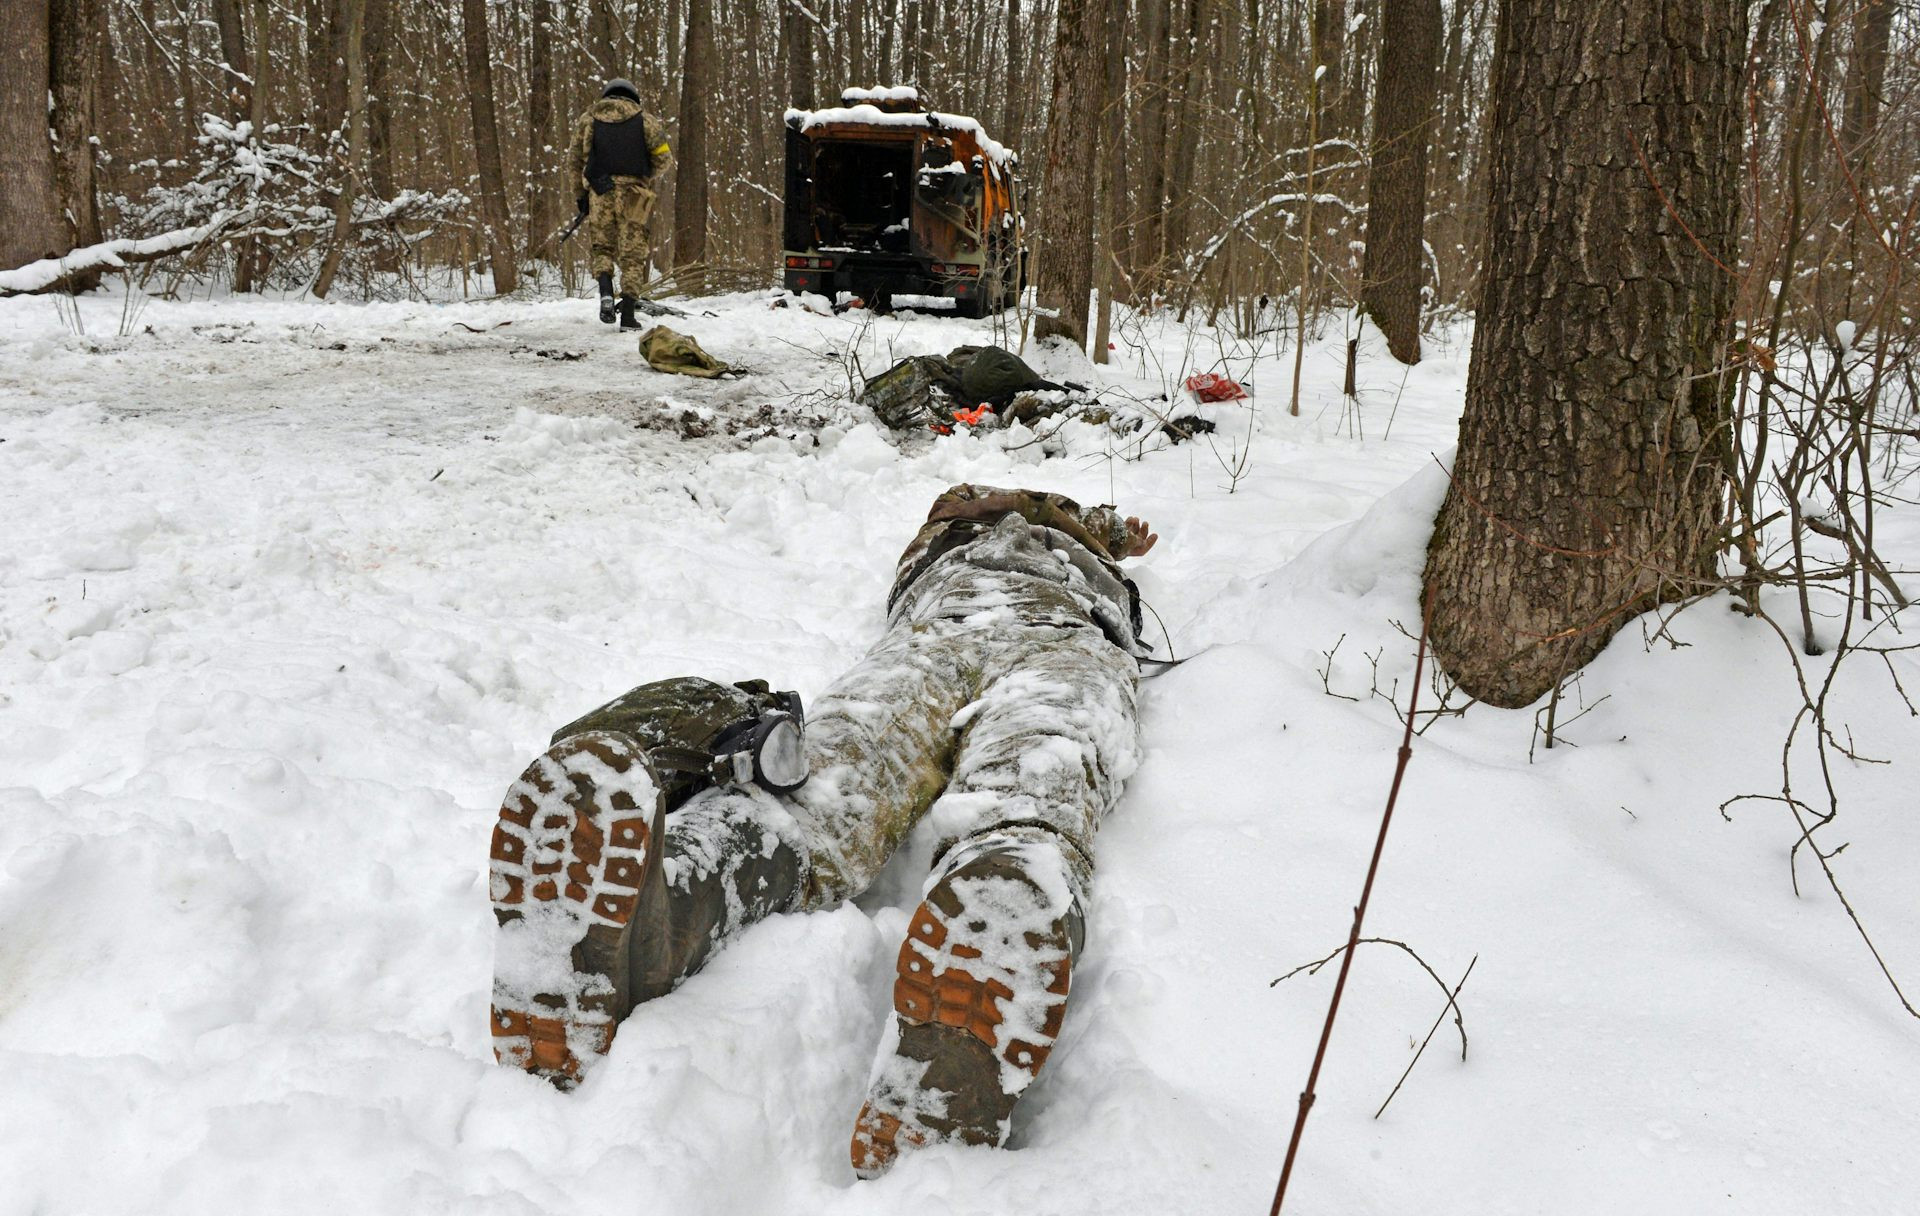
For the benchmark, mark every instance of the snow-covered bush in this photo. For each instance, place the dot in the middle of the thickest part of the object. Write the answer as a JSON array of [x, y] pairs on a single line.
[[266, 202]]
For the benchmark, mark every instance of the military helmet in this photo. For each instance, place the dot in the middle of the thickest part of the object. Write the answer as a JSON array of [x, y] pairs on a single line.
[[621, 87]]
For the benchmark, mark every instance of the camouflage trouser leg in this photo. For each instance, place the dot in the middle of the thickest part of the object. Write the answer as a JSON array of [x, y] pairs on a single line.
[[619, 233], [981, 729]]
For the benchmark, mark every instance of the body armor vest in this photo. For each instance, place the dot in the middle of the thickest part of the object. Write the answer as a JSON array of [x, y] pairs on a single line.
[[620, 149]]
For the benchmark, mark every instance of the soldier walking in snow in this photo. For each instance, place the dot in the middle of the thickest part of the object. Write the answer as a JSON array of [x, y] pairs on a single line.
[[617, 154], [998, 710]]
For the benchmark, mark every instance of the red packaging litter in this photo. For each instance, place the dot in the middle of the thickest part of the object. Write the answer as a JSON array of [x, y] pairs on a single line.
[[1206, 386]]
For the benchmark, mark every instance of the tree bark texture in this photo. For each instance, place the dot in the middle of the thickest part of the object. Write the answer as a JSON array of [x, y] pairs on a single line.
[[690, 178], [379, 60], [796, 35], [1403, 99], [1113, 172], [1153, 134], [1016, 58], [1188, 89], [1066, 264], [486, 144], [353, 23], [1330, 44], [600, 40], [1587, 486], [327, 45], [543, 167], [30, 226], [75, 68], [1866, 73], [233, 52]]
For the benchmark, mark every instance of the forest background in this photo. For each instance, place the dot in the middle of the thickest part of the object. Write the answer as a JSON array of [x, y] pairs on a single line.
[[400, 143]]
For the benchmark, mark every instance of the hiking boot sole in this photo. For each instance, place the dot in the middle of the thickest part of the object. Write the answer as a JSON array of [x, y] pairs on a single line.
[[569, 855], [979, 998]]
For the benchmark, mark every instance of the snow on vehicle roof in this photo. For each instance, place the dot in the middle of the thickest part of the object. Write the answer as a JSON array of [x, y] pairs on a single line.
[[870, 116], [898, 92]]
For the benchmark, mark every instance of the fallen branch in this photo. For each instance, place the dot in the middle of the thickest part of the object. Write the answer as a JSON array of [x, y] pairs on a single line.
[[1314, 967], [1452, 1003], [114, 255]]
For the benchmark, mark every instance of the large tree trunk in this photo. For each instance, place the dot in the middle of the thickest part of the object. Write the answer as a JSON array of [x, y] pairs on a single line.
[[1865, 93], [1066, 262], [600, 40], [1866, 73], [30, 226], [248, 257], [378, 52], [1153, 132], [1113, 175], [1330, 43], [75, 66], [690, 185], [1397, 179], [1587, 487], [796, 35], [326, 61], [1189, 79], [541, 167], [353, 25], [911, 47], [486, 144], [233, 51], [1017, 52]]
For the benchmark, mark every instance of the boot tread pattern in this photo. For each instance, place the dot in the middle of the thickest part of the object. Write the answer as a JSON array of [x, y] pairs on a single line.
[[568, 853], [999, 979]]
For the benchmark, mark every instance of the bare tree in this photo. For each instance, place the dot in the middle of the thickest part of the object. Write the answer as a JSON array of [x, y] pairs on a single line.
[[690, 179], [1589, 484], [1213, 198], [542, 172], [796, 32], [233, 51], [1397, 179], [75, 63], [1066, 264], [352, 15], [30, 226], [486, 144], [1113, 171]]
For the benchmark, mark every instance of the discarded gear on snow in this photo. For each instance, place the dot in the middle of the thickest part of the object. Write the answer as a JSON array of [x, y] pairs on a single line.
[[667, 350]]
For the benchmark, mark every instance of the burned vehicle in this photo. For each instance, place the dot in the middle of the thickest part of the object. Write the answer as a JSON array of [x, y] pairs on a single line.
[[896, 204]]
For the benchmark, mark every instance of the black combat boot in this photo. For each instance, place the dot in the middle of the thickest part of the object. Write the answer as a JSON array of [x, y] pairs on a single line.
[[589, 924], [979, 997], [627, 319], [606, 297]]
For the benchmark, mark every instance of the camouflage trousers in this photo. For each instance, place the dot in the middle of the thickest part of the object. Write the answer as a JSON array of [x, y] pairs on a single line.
[[620, 232], [975, 727]]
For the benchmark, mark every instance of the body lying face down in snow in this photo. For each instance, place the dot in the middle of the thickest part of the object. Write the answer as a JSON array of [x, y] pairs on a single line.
[[999, 707]]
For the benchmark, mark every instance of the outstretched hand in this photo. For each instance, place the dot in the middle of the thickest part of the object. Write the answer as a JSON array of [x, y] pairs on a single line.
[[1140, 537]]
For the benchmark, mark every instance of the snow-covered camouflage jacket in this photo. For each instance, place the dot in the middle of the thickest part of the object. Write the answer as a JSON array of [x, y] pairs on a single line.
[[615, 109], [1067, 551]]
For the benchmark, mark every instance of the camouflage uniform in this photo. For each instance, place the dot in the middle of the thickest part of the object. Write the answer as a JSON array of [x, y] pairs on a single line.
[[997, 713], [619, 222], [1002, 694]]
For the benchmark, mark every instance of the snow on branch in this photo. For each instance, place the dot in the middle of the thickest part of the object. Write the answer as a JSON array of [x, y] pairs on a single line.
[[271, 188], [114, 255], [1206, 252]]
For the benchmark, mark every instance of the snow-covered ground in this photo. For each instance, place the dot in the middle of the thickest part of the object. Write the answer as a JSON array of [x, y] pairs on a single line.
[[290, 592]]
